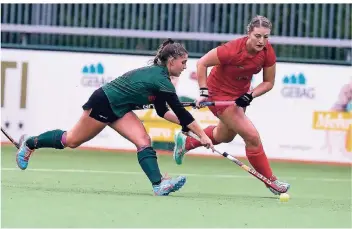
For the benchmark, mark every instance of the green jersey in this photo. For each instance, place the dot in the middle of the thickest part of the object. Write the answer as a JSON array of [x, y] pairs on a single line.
[[137, 87]]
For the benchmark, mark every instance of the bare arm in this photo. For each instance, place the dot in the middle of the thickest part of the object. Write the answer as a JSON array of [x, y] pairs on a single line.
[[345, 96], [208, 60], [268, 82]]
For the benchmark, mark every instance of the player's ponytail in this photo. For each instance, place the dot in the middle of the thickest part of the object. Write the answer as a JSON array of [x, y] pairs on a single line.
[[167, 49]]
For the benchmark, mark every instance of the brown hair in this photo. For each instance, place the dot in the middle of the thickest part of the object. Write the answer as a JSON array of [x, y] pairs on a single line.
[[167, 49], [259, 21]]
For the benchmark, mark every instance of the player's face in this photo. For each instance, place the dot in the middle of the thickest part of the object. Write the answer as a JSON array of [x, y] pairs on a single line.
[[259, 38], [178, 64]]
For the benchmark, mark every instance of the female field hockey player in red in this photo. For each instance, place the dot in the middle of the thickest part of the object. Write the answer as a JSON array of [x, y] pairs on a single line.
[[234, 65], [112, 105]]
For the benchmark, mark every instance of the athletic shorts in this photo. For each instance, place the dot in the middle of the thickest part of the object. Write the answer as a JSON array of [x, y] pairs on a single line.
[[217, 110], [100, 105]]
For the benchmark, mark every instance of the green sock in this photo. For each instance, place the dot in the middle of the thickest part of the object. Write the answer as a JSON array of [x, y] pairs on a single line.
[[49, 139], [148, 161]]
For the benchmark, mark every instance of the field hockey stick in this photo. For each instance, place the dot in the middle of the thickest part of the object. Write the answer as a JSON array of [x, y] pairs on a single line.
[[152, 106], [245, 167], [191, 104], [11, 139], [216, 103]]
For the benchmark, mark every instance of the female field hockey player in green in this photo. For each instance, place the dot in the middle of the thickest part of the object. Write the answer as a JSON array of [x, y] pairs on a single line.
[[112, 105]]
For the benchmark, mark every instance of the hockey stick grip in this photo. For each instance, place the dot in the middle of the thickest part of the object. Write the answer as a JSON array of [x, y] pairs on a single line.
[[216, 103]]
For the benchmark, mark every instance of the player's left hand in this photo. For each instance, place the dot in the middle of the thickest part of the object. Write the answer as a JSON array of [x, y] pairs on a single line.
[[199, 101], [244, 100]]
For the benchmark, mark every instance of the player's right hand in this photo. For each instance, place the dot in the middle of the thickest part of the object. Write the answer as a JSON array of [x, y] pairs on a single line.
[[199, 100], [206, 142], [204, 94]]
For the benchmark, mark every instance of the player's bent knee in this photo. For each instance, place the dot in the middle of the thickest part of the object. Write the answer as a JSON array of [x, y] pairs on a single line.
[[71, 141], [73, 144], [222, 134], [143, 141], [228, 138], [252, 140]]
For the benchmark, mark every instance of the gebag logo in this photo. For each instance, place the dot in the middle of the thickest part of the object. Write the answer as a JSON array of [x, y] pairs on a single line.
[[295, 86], [93, 76]]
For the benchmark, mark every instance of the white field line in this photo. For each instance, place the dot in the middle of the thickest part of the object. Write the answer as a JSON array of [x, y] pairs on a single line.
[[221, 176]]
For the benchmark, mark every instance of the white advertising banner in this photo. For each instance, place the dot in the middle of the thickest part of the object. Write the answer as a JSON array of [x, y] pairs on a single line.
[[44, 90]]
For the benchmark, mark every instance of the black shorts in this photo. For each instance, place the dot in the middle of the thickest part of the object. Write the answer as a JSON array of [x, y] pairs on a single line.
[[100, 105]]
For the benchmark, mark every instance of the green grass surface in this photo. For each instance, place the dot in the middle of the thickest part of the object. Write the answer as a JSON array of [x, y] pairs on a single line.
[[73, 188]]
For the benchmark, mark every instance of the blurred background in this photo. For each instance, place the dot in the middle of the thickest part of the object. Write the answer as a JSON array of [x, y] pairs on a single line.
[[54, 56], [313, 33], [94, 43]]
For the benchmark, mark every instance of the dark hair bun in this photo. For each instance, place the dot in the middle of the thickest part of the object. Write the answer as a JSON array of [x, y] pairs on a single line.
[[168, 41]]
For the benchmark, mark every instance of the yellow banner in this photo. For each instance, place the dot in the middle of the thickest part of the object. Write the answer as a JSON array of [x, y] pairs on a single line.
[[161, 130], [348, 141], [326, 120]]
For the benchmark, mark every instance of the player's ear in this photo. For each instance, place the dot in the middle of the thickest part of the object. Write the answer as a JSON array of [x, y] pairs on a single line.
[[172, 61]]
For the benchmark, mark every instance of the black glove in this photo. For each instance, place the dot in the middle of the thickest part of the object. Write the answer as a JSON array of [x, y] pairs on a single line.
[[244, 100]]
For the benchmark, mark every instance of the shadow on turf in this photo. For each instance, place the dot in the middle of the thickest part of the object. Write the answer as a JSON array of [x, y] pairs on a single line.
[[198, 195]]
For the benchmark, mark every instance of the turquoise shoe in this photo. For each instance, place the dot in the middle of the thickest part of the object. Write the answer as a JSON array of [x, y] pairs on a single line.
[[23, 153], [169, 185], [180, 147]]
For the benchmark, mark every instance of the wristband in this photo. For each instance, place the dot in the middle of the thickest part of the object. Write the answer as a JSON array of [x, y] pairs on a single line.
[[203, 91]]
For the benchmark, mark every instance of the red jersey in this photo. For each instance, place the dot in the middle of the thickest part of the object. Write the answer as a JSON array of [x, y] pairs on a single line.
[[233, 76]]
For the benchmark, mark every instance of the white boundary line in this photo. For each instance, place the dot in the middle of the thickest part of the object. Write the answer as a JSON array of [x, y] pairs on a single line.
[[185, 174]]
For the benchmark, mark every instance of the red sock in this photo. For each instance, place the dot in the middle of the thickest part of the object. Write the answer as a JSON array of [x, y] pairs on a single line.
[[259, 161], [192, 143]]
